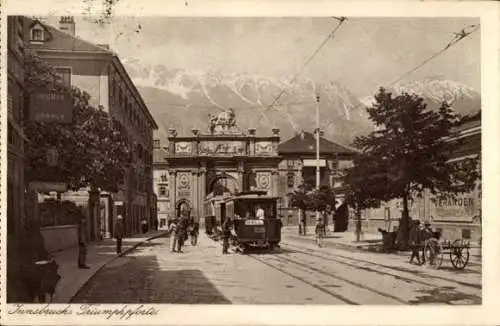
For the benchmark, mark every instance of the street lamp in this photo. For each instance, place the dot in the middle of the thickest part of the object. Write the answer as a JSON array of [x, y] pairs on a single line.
[[317, 132]]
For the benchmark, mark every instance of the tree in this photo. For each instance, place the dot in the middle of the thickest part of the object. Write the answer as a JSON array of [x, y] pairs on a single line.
[[408, 152], [360, 183], [322, 200], [299, 198], [93, 150]]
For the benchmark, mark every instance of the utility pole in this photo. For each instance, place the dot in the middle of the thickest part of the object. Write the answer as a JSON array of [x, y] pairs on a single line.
[[317, 151]]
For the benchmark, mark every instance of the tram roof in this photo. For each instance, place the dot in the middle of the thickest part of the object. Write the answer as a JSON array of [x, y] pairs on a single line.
[[257, 194]]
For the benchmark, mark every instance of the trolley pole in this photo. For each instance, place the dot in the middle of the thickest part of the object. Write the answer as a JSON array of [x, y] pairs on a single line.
[[317, 151]]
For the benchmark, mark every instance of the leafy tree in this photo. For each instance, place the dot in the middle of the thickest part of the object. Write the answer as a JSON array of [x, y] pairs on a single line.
[[299, 198], [93, 150], [408, 152], [360, 183], [322, 200]]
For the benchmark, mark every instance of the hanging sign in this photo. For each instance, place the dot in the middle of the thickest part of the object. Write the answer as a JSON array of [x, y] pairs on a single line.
[[50, 106]]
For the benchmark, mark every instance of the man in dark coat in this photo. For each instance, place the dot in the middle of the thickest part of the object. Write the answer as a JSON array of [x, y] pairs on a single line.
[[415, 241], [119, 231], [226, 233]]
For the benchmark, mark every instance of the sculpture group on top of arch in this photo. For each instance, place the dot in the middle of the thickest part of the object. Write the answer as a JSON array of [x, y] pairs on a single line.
[[223, 122]]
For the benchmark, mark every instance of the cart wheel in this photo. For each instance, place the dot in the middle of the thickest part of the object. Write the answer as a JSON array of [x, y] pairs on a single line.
[[459, 254], [433, 253]]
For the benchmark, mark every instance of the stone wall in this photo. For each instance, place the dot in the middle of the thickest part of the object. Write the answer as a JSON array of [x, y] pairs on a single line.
[[60, 237]]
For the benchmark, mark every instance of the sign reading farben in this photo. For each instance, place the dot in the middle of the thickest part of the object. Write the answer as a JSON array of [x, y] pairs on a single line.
[[50, 106]]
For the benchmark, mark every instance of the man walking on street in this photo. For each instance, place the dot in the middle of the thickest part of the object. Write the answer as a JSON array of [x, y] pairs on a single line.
[[82, 244], [119, 233], [226, 233], [415, 242], [172, 230]]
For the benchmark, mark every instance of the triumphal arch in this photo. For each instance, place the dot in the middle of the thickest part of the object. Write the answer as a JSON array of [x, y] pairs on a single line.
[[222, 160]]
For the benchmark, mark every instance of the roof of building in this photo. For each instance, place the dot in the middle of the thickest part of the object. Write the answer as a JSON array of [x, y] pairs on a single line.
[[159, 154], [63, 41], [305, 143]]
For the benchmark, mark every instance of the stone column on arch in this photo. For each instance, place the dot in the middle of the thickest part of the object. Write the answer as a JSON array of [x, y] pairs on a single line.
[[195, 193], [241, 173], [202, 186], [274, 182], [172, 183]]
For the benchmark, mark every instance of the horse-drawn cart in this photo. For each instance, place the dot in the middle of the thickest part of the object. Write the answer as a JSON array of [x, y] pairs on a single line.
[[434, 252]]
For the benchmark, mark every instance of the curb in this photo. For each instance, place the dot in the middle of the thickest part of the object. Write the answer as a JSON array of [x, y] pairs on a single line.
[[364, 248], [113, 259]]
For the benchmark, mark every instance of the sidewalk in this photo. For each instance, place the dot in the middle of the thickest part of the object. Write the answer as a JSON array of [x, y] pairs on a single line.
[[347, 240], [98, 255]]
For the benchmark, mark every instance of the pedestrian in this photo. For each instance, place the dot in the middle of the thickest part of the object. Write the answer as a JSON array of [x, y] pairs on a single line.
[[302, 224], [181, 233], [119, 233], [415, 242], [226, 233], [144, 224], [427, 231], [319, 231], [260, 214], [172, 230], [82, 244]]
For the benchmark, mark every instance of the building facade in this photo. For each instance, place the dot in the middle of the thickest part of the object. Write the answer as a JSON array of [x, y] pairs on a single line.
[[16, 217], [15, 116], [98, 71], [223, 160], [160, 183], [298, 166]]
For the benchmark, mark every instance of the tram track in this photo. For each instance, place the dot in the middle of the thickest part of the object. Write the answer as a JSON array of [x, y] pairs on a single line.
[[337, 277], [354, 262], [294, 266], [301, 279]]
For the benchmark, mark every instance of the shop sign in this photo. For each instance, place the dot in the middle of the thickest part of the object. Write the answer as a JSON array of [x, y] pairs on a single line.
[[49, 186], [461, 208], [50, 106]]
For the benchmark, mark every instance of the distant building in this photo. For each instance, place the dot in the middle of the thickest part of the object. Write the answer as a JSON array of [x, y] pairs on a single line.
[[97, 70], [298, 166], [160, 183]]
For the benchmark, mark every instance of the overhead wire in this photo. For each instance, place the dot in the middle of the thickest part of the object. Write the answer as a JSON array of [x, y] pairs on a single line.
[[331, 35], [456, 39], [237, 107]]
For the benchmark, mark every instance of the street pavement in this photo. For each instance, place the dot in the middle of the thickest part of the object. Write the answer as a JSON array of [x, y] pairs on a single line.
[[297, 273], [99, 254]]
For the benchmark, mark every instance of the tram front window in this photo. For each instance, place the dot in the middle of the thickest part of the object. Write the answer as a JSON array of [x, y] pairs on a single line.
[[248, 209]]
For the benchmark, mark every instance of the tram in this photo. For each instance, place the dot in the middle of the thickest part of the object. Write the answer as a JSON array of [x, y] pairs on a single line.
[[253, 217]]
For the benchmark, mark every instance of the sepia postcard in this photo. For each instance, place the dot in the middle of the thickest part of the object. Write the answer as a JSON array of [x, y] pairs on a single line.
[[249, 162]]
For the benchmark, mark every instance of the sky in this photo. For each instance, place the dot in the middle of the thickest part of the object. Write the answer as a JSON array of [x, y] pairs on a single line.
[[364, 53]]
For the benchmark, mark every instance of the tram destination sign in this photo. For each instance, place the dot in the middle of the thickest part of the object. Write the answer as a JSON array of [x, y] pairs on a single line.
[[50, 106]]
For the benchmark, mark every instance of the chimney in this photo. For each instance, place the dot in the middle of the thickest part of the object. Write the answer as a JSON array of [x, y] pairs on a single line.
[[67, 24]]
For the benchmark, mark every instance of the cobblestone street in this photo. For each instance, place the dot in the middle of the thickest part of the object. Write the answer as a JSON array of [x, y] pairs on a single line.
[[299, 273]]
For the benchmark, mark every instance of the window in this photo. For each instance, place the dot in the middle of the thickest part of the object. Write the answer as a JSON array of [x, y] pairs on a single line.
[[162, 191], [164, 177], [65, 74], [290, 179], [290, 163], [37, 34]]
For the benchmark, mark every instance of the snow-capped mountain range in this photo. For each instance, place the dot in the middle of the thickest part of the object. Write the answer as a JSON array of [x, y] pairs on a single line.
[[183, 99]]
